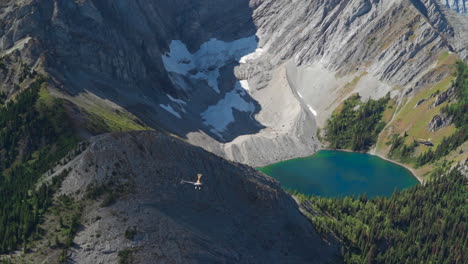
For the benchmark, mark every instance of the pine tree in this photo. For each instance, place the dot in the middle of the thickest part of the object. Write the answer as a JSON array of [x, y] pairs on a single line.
[[57, 241]]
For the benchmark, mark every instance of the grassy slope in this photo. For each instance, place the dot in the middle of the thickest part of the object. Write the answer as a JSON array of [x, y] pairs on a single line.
[[414, 119], [105, 116]]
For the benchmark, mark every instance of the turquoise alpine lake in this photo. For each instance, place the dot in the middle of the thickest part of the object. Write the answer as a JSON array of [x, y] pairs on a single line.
[[332, 173]]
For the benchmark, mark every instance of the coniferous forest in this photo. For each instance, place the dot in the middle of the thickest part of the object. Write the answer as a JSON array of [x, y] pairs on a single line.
[[34, 134], [424, 224], [357, 125]]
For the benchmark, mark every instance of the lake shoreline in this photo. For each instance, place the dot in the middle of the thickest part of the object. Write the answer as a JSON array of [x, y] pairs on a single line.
[[337, 173], [412, 170]]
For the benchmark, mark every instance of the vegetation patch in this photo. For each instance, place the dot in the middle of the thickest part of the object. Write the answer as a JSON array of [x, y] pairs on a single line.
[[109, 193], [357, 125], [409, 126], [400, 151], [3, 98], [446, 58], [389, 111], [63, 224], [413, 118], [33, 137], [126, 256], [130, 233], [103, 116], [459, 112]]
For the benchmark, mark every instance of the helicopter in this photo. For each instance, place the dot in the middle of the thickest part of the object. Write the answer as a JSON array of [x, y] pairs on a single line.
[[198, 184]]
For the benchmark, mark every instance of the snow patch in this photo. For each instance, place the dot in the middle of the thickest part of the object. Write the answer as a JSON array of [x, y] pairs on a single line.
[[252, 56], [245, 84], [171, 110], [219, 116], [177, 101], [312, 110], [179, 59], [205, 63], [310, 107]]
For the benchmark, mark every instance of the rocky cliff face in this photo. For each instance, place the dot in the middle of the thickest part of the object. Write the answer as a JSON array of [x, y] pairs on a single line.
[[247, 80], [239, 216], [460, 6]]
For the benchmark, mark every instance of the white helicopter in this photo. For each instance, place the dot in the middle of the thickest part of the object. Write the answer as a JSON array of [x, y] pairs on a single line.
[[198, 184]]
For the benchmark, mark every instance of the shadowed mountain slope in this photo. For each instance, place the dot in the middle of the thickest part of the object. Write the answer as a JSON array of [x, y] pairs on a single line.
[[239, 216]]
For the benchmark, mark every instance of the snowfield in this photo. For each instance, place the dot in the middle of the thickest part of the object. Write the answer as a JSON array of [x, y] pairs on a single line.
[[219, 116], [205, 64], [212, 55]]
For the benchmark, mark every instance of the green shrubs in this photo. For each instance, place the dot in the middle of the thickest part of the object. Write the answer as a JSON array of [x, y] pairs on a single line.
[[3, 97], [130, 233], [126, 256]]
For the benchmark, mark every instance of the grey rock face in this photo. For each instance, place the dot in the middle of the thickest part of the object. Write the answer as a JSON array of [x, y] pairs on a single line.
[[339, 34], [240, 215], [420, 102], [444, 96], [460, 6], [464, 167], [439, 121]]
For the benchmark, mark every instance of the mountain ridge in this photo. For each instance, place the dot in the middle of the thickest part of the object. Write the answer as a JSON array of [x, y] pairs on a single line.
[[174, 222]]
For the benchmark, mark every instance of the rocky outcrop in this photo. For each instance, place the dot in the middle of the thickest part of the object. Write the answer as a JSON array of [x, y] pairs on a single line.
[[444, 96], [439, 121], [464, 167], [239, 216], [420, 102]]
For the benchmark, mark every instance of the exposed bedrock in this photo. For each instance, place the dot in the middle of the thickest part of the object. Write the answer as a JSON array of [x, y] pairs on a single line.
[[249, 80], [449, 94], [460, 6], [439, 121], [239, 216]]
